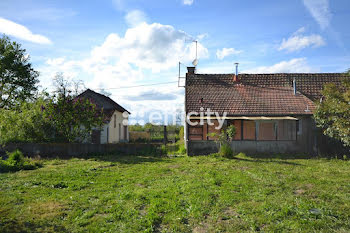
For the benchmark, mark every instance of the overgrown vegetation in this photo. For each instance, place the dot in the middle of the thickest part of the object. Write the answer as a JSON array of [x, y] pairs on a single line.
[[25, 124], [223, 139], [62, 117], [181, 194], [157, 132], [172, 149], [16, 162], [333, 112]]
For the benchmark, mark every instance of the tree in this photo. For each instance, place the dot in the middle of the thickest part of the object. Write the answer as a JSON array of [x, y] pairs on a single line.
[[50, 119], [63, 86], [17, 77], [333, 112], [73, 118], [26, 123]]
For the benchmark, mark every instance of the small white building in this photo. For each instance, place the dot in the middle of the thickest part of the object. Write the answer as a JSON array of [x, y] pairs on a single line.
[[115, 128]]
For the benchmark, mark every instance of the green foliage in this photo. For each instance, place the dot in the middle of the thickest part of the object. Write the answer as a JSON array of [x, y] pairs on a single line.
[[50, 119], [73, 118], [164, 150], [181, 133], [26, 124], [182, 149], [224, 139], [16, 158], [17, 77], [149, 151], [333, 112], [177, 148], [136, 127], [231, 132], [226, 151], [157, 132], [16, 162]]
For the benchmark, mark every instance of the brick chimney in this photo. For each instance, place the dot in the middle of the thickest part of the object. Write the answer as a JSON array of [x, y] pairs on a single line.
[[191, 70], [235, 78]]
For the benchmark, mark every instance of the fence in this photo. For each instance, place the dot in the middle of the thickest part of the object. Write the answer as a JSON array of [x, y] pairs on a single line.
[[159, 134], [68, 150]]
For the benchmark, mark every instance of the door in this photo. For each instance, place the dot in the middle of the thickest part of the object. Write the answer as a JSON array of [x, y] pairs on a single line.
[[96, 136], [125, 132]]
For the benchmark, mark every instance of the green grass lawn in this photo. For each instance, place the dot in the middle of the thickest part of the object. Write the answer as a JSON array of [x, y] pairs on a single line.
[[182, 194]]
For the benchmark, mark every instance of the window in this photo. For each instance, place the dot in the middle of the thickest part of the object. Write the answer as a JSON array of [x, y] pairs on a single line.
[[125, 132], [286, 130], [248, 130], [261, 130], [195, 132], [213, 129], [120, 132], [267, 130], [238, 125], [299, 127], [115, 121]]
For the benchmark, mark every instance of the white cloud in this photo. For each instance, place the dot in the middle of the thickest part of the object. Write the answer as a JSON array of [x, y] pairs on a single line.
[[202, 36], [21, 32], [319, 9], [132, 59], [135, 17], [149, 46], [188, 2], [154, 95], [298, 41], [296, 65], [221, 54]]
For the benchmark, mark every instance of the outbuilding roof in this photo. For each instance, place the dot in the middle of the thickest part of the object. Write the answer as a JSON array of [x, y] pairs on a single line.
[[108, 105]]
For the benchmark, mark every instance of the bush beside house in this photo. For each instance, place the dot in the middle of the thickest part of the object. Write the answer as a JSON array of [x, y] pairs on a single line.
[[16, 161]]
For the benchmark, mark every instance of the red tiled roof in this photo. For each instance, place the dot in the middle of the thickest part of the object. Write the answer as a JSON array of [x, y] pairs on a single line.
[[256, 94]]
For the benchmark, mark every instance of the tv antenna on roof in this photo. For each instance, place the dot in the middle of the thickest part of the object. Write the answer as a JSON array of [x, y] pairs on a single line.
[[195, 61]]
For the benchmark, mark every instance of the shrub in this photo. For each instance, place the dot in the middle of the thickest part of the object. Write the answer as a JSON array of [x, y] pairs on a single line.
[[231, 132], [26, 124], [182, 149], [181, 133], [164, 150], [15, 158], [226, 150], [224, 139], [16, 161]]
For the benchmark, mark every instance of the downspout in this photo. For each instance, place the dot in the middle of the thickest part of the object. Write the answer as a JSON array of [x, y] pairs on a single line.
[[185, 118]]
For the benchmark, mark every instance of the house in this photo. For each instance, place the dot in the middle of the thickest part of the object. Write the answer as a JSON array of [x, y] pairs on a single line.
[[115, 128], [272, 113]]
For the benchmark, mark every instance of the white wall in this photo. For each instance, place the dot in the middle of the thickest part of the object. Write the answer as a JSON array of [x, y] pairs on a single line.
[[116, 131], [104, 133]]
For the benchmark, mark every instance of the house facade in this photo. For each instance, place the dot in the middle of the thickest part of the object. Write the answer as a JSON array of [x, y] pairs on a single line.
[[115, 129], [272, 113]]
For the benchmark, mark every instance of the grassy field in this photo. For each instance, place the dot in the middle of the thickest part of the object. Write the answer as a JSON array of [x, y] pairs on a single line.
[[182, 194]]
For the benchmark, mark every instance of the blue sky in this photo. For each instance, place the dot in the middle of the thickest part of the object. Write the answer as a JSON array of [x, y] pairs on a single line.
[[122, 43]]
